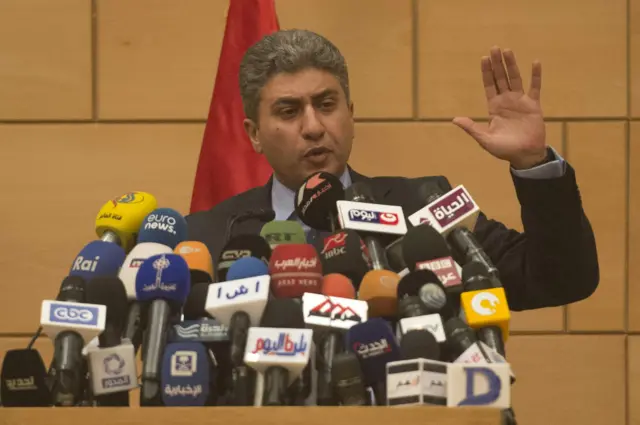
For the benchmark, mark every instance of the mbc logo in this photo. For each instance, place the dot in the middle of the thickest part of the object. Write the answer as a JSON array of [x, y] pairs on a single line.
[[74, 315]]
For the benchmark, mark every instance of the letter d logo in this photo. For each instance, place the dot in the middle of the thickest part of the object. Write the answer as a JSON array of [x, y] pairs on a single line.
[[494, 387]]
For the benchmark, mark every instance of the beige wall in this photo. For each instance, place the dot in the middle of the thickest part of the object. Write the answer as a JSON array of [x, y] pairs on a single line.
[[98, 98]]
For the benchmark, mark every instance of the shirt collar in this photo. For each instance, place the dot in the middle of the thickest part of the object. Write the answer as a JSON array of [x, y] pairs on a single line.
[[283, 198]]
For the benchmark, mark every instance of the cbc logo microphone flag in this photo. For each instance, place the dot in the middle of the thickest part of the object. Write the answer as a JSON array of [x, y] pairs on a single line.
[[487, 307]]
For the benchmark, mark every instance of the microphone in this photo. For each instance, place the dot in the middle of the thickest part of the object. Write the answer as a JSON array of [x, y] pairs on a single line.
[[204, 330], [239, 247], [409, 303], [70, 324], [279, 352], [113, 365], [98, 258], [487, 311], [373, 221], [374, 345], [330, 316], [23, 379], [239, 304], [379, 290], [295, 269], [419, 344], [165, 226], [261, 214], [128, 273], [279, 232], [345, 253], [424, 248], [119, 220], [198, 258], [162, 285], [186, 374], [348, 381], [337, 285], [315, 201], [475, 277], [247, 267]]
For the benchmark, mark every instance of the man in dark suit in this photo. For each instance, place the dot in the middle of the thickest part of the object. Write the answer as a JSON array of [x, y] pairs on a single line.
[[295, 90]]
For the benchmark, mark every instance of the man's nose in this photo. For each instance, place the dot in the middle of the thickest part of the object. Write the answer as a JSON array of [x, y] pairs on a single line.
[[312, 127]]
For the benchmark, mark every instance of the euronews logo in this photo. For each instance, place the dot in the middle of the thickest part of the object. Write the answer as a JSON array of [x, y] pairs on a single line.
[[161, 222]]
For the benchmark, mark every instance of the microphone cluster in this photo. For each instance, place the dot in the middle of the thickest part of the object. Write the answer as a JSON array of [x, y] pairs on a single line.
[[377, 312]]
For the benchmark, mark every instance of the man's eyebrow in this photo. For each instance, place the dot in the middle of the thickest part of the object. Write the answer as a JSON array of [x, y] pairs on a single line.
[[292, 100]]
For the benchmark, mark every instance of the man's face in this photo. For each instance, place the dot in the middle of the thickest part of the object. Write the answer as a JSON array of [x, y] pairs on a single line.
[[305, 125]]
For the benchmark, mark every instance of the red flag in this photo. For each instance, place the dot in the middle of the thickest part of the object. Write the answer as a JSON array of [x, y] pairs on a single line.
[[228, 164]]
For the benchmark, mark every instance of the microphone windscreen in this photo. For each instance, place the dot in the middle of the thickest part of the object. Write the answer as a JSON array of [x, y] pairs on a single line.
[[164, 276], [345, 253], [375, 345], [423, 243], [239, 247], [379, 289], [124, 215], [315, 200], [110, 292], [134, 260], [197, 256], [359, 192], [98, 258], [22, 380], [247, 267], [411, 283], [433, 296], [194, 306], [165, 226], [72, 289], [283, 232], [282, 313], [294, 270], [186, 376], [337, 285], [419, 343]]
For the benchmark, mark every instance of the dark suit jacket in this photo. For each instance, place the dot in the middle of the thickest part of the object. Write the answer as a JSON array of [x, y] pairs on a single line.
[[553, 262]]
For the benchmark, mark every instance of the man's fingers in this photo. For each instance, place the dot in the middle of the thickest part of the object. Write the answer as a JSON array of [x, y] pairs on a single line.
[[514, 72], [475, 130], [536, 80], [487, 77], [499, 73]]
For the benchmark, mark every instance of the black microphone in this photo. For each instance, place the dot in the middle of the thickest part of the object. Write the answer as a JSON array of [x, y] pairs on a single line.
[[239, 247], [108, 363], [347, 380], [345, 253], [23, 380], [262, 214], [315, 201]]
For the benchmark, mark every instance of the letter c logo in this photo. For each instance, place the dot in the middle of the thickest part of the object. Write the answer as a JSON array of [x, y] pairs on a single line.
[[479, 302]]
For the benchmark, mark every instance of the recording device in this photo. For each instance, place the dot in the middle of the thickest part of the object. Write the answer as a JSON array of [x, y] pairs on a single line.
[[239, 304], [165, 226], [373, 221], [348, 381], [279, 352], [375, 346], [294, 270], [261, 214], [97, 258], [280, 232], [23, 379], [162, 285], [344, 252], [112, 365], [70, 325], [330, 317], [119, 220], [239, 247], [379, 290], [198, 258], [315, 201], [128, 273], [186, 375]]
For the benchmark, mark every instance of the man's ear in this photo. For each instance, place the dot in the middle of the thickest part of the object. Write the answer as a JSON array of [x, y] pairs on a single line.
[[351, 109], [251, 129]]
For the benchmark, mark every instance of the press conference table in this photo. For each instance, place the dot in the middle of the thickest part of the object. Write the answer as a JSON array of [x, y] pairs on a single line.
[[251, 416]]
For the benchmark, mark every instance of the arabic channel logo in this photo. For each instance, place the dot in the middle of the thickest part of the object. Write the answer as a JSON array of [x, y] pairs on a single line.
[[129, 198], [376, 217], [242, 290], [184, 363], [114, 366], [284, 345], [335, 311], [160, 265], [371, 349], [413, 382]]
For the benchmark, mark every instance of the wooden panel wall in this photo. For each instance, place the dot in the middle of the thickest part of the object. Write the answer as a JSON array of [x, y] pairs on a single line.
[[105, 96]]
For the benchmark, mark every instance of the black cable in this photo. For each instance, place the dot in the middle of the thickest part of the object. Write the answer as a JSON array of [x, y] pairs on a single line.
[[35, 337]]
